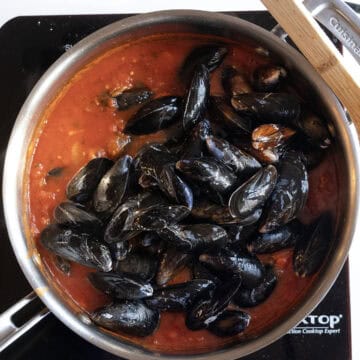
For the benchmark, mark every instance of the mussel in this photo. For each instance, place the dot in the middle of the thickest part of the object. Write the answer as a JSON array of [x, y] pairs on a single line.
[[172, 261], [196, 99], [83, 184], [121, 286], [252, 297], [267, 107], [131, 97], [153, 116], [289, 195], [252, 194], [194, 236], [312, 248], [209, 306], [239, 161], [209, 55], [247, 267], [179, 296], [230, 323], [268, 77], [74, 215], [112, 187], [235, 81], [131, 317], [77, 246]]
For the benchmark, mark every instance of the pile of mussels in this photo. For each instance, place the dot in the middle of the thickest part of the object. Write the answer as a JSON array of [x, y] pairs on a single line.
[[227, 187]]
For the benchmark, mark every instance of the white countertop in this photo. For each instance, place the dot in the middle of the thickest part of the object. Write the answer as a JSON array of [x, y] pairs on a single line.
[[11, 9]]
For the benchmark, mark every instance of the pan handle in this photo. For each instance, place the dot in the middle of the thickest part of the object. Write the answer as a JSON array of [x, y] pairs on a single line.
[[20, 318], [340, 20]]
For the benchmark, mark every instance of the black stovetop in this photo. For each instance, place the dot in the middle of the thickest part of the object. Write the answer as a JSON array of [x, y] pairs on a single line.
[[28, 46]]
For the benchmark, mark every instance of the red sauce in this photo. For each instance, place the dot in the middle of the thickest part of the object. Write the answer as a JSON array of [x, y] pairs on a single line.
[[77, 128]]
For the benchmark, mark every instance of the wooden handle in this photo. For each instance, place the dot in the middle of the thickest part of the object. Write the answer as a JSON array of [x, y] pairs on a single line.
[[296, 20]]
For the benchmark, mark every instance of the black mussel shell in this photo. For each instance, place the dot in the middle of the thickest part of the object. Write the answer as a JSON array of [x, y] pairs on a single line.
[[211, 56], [234, 82], [314, 129], [120, 249], [130, 317], [77, 246], [196, 99], [153, 116], [267, 107], [289, 195], [281, 238], [194, 236], [179, 296], [83, 184], [172, 261], [194, 145], [151, 159], [138, 263], [131, 97], [121, 286], [252, 194], [252, 297], [158, 217], [241, 264], [214, 212], [74, 215], [230, 323], [174, 187], [225, 115], [201, 272], [112, 187], [147, 182], [236, 159], [312, 248], [208, 172], [209, 306], [268, 77]]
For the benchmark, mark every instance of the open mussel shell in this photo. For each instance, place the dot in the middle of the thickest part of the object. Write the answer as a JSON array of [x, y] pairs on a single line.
[[289, 195], [196, 99], [179, 296], [138, 263], [267, 107], [252, 297], [239, 161], [131, 97], [210, 55], [312, 248], [245, 266], [194, 236], [153, 116], [112, 187], [77, 246], [268, 77], [83, 184], [121, 286], [130, 317], [172, 261], [74, 215], [201, 272], [230, 323], [252, 194], [209, 306]]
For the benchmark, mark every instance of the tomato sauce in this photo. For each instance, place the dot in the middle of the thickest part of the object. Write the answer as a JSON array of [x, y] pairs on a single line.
[[76, 128]]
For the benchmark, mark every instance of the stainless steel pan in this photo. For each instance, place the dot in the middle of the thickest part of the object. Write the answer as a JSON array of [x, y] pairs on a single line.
[[347, 148]]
